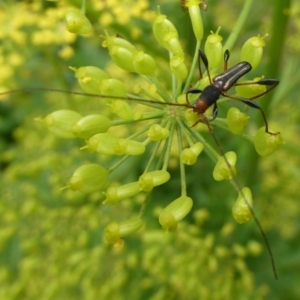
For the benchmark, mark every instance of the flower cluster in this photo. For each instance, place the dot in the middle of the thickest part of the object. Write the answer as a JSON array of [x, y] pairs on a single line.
[[166, 120]]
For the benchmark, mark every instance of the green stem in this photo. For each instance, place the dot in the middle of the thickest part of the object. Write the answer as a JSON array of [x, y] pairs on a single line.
[[239, 25], [83, 6], [182, 169], [168, 148], [194, 64]]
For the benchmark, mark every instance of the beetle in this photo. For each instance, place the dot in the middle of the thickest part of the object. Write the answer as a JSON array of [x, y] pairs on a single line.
[[223, 82]]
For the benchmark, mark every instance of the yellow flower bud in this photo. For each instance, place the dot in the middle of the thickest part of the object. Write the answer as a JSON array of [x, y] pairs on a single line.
[[91, 125], [240, 210], [189, 155], [252, 51], [116, 194], [250, 90], [143, 63], [196, 19], [163, 27], [129, 147], [236, 120], [88, 178], [122, 57], [175, 212], [61, 122], [122, 109], [114, 231], [77, 22], [149, 180], [111, 41], [178, 67], [112, 87], [108, 144], [89, 78], [221, 170], [265, 144], [213, 49], [158, 133]]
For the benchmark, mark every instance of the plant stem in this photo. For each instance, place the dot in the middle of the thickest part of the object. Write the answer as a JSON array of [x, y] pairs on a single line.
[[239, 25]]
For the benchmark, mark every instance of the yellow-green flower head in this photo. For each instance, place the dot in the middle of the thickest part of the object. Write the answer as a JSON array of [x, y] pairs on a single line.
[[252, 50], [236, 120], [175, 212], [88, 178], [240, 210], [265, 144], [213, 49], [77, 22]]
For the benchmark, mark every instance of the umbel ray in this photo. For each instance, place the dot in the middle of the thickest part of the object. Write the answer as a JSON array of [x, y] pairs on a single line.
[[219, 85]]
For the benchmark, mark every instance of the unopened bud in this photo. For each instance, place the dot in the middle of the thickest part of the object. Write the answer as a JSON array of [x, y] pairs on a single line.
[[196, 19], [175, 212], [143, 63], [241, 209], [265, 144], [178, 67], [88, 178], [236, 120], [189, 155], [222, 170], [250, 89], [89, 78], [213, 49], [122, 109], [91, 125], [116, 194], [77, 22], [158, 133], [106, 143], [151, 179], [115, 231], [61, 122], [252, 51]]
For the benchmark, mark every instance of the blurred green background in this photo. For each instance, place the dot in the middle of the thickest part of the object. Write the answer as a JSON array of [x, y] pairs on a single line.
[[51, 241]]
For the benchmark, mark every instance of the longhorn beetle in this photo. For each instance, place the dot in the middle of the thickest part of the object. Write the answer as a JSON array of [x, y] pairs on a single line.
[[219, 85]]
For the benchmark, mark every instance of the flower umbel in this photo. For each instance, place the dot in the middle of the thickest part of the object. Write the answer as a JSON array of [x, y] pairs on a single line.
[[164, 118]]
